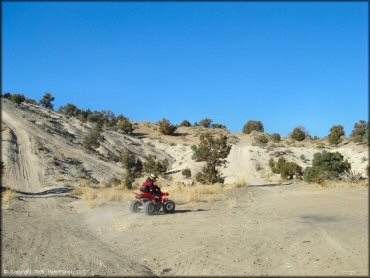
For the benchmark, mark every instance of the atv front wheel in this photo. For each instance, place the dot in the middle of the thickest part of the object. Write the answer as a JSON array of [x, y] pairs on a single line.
[[135, 206], [169, 207], [149, 208]]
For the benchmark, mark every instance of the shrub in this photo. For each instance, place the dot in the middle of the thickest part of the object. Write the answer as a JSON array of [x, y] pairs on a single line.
[[151, 165], [185, 123], [186, 172], [351, 176], [31, 101], [2, 168], [261, 139], [303, 158], [299, 134], [214, 152], [275, 137], [69, 110], [92, 139], [166, 128], [47, 101], [96, 117], [326, 165], [286, 169], [7, 95], [205, 123], [18, 98], [124, 125], [336, 133], [218, 126], [253, 125], [132, 165], [113, 181], [360, 133]]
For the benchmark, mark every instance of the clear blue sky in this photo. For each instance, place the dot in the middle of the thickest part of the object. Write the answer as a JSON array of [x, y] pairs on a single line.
[[286, 64]]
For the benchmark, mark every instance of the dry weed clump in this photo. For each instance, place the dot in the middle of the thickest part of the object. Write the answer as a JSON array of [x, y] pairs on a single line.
[[343, 184], [98, 196], [85, 183], [240, 182], [201, 192], [9, 195], [351, 176]]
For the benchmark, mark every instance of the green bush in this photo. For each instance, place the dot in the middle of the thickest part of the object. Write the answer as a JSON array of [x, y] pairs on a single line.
[[31, 101], [219, 126], [214, 151], [205, 122], [360, 133], [336, 133], [286, 169], [275, 137], [7, 95], [325, 166], [185, 123], [69, 110], [166, 128], [261, 139], [91, 140], [151, 165], [47, 101], [299, 134], [253, 125], [124, 125], [18, 98], [132, 165], [186, 172]]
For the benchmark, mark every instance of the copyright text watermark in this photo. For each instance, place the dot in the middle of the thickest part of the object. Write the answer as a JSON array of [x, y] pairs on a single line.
[[48, 272]]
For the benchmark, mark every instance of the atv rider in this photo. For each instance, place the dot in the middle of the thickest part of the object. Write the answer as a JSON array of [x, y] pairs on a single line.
[[150, 187]]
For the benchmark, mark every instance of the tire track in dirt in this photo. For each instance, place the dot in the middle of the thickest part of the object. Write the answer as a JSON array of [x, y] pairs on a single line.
[[25, 167]]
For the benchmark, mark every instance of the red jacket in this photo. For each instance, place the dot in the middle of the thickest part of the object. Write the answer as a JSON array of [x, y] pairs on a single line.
[[149, 186]]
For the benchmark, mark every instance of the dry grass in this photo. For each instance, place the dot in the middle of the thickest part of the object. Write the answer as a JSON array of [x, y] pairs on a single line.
[[344, 185], [96, 197], [9, 195], [240, 182], [85, 183], [178, 192], [200, 192]]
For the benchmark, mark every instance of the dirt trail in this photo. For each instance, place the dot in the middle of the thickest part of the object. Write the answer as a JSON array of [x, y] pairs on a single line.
[[26, 171], [273, 230]]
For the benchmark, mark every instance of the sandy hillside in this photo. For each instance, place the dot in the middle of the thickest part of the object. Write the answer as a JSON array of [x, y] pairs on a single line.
[[261, 227]]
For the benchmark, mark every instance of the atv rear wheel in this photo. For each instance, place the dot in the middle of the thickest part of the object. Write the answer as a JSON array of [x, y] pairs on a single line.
[[135, 206], [169, 207], [149, 208]]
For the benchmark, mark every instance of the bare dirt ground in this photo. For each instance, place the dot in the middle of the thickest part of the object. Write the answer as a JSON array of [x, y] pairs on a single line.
[[281, 229]]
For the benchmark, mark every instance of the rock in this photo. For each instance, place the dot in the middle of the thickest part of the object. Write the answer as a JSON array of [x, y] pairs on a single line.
[[165, 270]]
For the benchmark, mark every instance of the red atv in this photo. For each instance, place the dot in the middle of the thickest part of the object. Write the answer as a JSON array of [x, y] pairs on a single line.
[[151, 204]]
